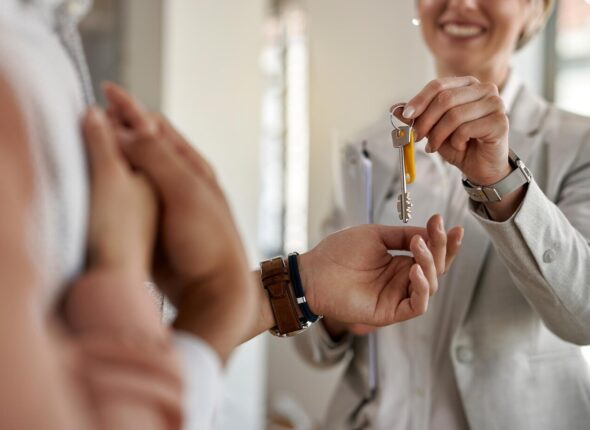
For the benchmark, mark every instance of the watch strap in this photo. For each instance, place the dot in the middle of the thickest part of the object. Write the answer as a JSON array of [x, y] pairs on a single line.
[[276, 281], [520, 176]]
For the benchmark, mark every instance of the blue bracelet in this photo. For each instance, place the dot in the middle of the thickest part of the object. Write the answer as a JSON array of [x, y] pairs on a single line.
[[298, 288]]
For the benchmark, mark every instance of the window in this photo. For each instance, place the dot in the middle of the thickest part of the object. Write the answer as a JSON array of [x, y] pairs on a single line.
[[285, 132], [572, 54]]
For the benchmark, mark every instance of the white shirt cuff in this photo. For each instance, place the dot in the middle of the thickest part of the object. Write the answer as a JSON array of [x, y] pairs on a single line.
[[203, 381]]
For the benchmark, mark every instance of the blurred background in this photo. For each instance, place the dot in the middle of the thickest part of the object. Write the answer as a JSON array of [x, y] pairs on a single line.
[[268, 90]]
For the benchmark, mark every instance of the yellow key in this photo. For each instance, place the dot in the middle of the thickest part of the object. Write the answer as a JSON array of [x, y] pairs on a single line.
[[409, 159], [402, 137]]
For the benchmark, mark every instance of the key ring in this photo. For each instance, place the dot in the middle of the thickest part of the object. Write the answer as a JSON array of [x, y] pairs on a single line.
[[391, 116]]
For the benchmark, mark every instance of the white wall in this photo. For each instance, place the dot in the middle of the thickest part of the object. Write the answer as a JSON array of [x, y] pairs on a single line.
[[211, 90], [141, 51], [365, 55]]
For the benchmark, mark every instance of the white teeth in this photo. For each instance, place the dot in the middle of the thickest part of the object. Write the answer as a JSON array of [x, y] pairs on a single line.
[[462, 30]]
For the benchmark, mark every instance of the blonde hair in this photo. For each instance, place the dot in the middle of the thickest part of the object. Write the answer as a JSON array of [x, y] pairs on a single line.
[[537, 21]]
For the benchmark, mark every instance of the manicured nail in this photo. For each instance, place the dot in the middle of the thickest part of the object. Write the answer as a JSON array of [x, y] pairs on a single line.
[[460, 240], [440, 225], [422, 244], [420, 272], [408, 112]]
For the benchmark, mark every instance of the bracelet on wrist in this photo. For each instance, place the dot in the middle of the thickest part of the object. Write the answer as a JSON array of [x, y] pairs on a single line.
[[298, 288], [290, 309]]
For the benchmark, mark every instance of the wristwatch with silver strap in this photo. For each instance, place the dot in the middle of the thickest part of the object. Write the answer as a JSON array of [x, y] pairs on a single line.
[[520, 176]]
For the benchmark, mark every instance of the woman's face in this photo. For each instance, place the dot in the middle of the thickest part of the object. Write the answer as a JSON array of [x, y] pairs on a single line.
[[469, 36]]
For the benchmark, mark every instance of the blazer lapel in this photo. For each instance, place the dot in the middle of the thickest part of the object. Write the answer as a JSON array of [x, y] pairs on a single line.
[[466, 270], [527, 118]]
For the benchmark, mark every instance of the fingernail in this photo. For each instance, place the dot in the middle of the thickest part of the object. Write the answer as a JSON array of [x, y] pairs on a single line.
[[440, 225], [150, 129], [408, 112], [95, 114], [422, 244], [461, 236], [420, 272], [428, 148]]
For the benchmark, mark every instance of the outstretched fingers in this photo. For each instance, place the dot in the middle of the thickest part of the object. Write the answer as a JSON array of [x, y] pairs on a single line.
[[416, 303], [454, 239], [399, 238], [425, 260], [408, 298], [437, 242]]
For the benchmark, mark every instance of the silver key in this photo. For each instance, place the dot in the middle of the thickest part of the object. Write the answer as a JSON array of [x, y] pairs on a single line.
[[401, 138]]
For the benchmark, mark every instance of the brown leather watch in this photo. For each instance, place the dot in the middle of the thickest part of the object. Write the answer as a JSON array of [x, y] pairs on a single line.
[[277, 282]]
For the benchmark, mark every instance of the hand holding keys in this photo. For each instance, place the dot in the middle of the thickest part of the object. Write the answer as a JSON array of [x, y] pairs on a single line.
[[403, 140]]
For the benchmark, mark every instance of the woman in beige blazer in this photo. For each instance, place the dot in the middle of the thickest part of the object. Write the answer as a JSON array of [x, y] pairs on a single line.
[[499, 345]]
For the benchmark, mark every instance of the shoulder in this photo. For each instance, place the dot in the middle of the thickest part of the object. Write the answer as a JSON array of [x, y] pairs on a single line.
[[572, 124], [532, 114], [570, 132]]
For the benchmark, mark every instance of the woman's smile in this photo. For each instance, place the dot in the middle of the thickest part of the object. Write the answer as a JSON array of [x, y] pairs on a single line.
[[475, 37], [458, 30]]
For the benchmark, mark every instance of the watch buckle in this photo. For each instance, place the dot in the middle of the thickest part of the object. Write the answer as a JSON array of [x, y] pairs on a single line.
[[491, 194], [304, 326], [525, 170]]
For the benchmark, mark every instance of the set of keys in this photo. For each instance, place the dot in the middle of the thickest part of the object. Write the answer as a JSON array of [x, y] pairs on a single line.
[[403, 140]]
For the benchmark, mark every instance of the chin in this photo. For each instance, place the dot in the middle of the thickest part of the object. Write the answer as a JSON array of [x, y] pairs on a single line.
[[461, 63], [466, 64]]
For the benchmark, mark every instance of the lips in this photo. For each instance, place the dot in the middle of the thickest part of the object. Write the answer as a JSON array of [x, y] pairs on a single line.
[[462, 30]]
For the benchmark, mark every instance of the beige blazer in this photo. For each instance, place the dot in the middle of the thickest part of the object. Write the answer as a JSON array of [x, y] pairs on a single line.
[[515, 351]]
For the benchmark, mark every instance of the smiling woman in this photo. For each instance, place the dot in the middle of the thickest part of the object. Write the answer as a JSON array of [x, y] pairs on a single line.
[[499, 347], [480, 41]]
